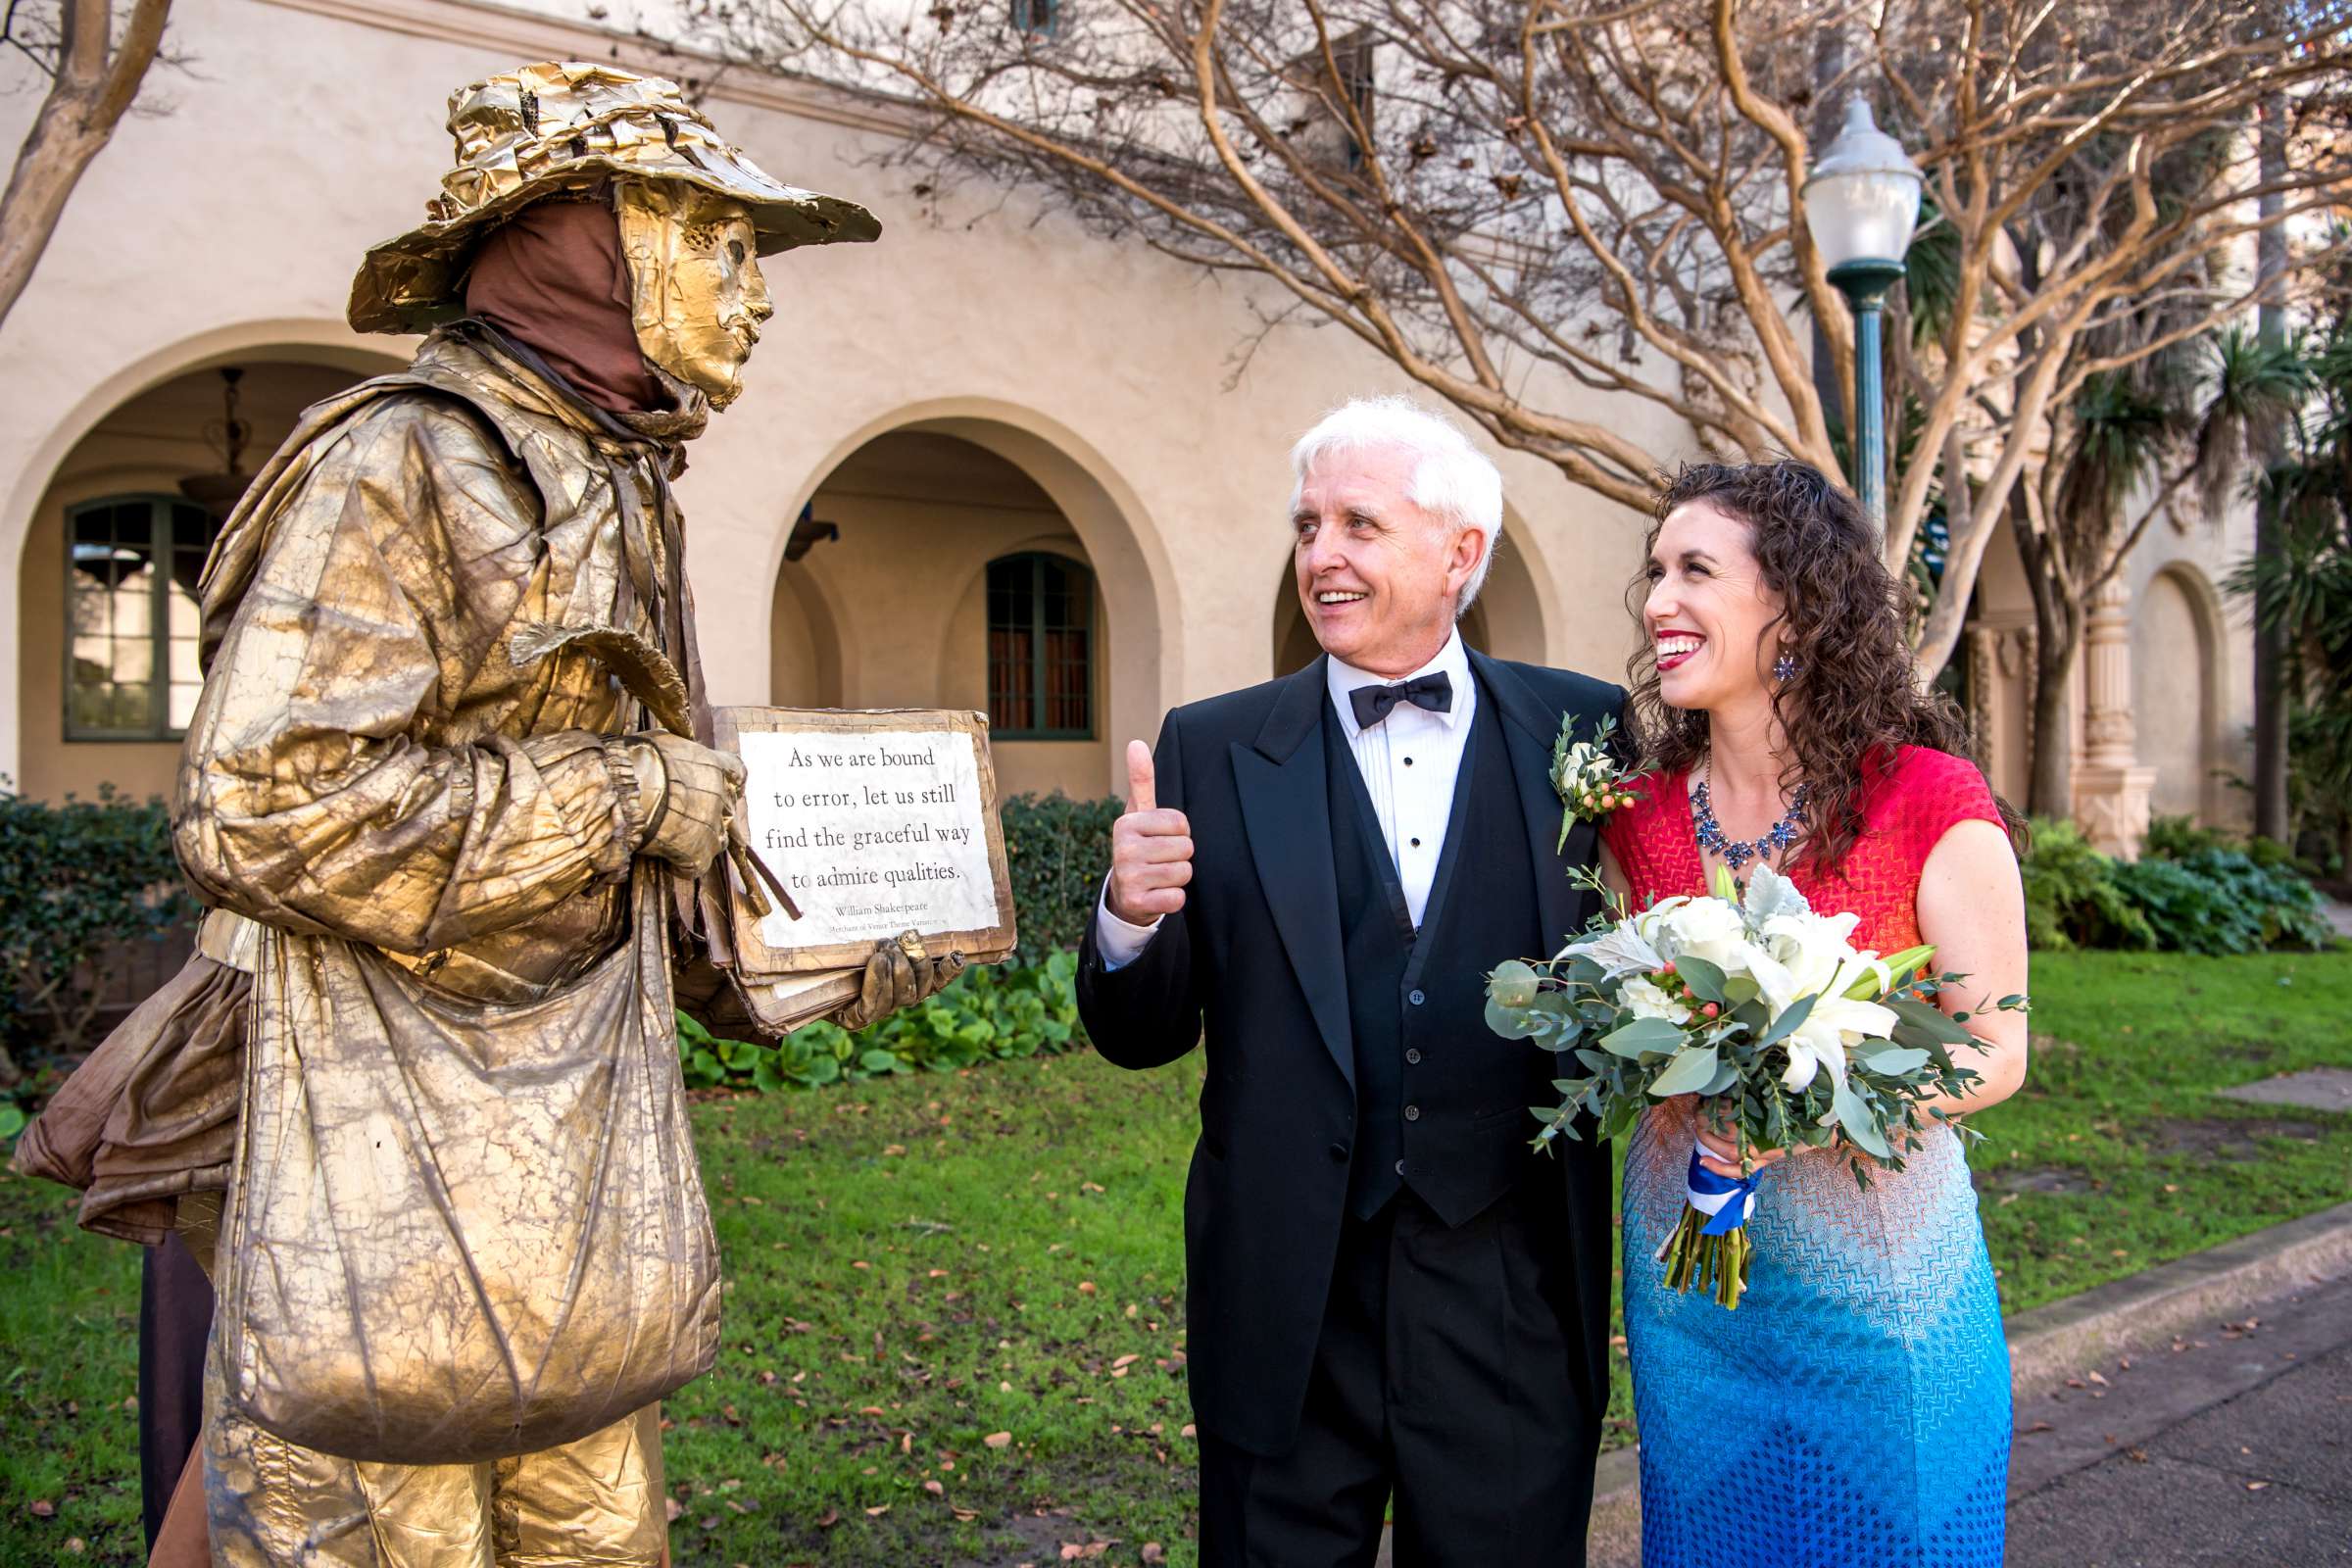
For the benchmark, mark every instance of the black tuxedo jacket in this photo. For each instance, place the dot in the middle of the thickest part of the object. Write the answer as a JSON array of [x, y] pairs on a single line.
[[1252, 968]]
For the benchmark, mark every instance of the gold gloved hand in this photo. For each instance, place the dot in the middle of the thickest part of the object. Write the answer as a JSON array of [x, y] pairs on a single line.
[[700, 790], [897, 975]]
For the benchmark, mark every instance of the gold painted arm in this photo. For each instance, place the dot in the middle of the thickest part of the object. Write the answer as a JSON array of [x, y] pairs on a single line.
[[305, 796]]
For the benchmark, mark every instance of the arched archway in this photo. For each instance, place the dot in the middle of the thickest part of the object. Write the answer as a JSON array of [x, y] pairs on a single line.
[[1506, 621], [109, 550], [930, 571], [1074, 497], [2178, 676], [805, 652]]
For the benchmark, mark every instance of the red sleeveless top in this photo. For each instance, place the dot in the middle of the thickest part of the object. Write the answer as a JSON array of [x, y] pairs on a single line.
[[1906, 808]]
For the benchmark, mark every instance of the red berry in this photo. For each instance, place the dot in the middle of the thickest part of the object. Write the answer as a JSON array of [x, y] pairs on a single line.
[[1669, 969], [1711, 1009]]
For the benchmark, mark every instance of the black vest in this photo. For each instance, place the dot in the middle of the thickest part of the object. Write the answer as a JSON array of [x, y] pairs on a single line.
[[1440, 1100]]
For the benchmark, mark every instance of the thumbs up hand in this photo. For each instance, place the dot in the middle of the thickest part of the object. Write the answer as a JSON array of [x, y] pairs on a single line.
[[1150, 850]]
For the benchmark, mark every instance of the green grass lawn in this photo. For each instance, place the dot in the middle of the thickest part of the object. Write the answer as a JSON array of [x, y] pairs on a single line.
[[917, 1267], [2118, 1155]]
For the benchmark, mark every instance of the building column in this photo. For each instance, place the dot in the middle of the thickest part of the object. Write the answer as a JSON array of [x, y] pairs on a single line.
[[2111, 789]]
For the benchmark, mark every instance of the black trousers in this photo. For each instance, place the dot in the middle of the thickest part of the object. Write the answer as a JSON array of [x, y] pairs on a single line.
[[1442, 1380], [176, 1319]]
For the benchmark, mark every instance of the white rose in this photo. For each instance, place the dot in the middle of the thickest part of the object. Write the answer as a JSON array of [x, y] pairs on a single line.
[[1708, 929], [1646, 1001]]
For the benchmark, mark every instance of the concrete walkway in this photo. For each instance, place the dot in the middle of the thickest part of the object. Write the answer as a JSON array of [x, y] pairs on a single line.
[[2162, 1421], [2233, 1445]]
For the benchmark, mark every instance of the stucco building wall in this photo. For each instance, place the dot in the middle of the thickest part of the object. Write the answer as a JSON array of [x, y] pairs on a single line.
[[1095, 387]]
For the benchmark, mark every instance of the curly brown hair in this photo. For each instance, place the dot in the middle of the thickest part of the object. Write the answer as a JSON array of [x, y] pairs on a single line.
[[1853, 700]]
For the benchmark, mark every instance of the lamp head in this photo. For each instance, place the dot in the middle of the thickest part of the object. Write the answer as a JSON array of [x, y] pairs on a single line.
[[1862, 198]]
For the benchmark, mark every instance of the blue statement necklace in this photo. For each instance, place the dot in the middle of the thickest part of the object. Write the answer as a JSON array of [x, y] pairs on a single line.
[[1737, 853]]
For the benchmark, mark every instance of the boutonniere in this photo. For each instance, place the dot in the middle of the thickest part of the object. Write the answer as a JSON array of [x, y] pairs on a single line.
[[1587, 777]]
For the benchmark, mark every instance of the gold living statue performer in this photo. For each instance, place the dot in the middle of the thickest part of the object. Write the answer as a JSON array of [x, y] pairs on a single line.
[[416, 1105]]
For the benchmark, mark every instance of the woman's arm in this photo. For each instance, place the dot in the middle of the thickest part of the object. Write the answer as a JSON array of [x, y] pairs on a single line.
[[1972, 905], [1614, 875]]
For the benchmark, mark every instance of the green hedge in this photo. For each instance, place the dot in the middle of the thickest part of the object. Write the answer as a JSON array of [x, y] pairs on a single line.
[[1056, 851], [75, 881], [2192, 891]]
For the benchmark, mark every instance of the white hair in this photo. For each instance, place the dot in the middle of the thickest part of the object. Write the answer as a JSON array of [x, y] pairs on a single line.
[[1452, 480]]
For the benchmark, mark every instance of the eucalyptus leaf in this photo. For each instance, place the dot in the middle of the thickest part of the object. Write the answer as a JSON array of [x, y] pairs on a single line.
[[1788, 1022], [1725, 1076], [1512, 984], [1621, 1118], [1643, 1035], [1894, 1060], [1510, 1022], [1856, 1122], [1706, 980], [1929, 1020], [1692, 1067]]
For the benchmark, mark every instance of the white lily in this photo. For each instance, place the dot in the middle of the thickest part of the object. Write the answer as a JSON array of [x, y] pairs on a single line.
[[1835, 1023], [1810, 945]]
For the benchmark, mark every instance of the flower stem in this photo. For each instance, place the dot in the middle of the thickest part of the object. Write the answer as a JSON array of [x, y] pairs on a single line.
[[1717, 1265]]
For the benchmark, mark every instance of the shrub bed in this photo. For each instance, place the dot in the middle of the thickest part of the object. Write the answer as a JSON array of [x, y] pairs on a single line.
[[989, 1013], [2192, 891], [78, 883]]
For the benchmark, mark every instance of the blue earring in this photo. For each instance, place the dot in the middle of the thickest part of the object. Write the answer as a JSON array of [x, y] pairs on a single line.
[[1785, 667]]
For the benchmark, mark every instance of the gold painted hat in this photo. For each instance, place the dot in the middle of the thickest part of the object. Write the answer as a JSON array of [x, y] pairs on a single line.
[[545, 129]]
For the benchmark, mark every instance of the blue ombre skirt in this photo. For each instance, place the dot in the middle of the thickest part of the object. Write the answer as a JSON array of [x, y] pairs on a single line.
[[1855, 1408]]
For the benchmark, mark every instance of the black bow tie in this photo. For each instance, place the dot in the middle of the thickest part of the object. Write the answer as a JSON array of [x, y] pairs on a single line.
[[1374, 703]]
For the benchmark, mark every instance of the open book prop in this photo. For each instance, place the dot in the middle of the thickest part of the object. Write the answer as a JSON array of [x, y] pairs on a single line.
[[875, 824]]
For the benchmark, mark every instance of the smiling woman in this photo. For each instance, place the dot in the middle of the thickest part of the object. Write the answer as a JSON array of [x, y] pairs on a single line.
[[1779, 724]]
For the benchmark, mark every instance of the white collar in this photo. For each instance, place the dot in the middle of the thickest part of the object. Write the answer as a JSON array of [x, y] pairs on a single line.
[[1452, 661]]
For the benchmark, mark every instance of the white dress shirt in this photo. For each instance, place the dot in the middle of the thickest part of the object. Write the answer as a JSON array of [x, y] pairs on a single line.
[[1409, 763]]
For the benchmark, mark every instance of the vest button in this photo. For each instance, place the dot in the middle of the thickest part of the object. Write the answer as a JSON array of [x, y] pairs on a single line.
[[1413, 1055], [1416, 999], [1339, 1153], [1412, 1113], [1401, 1167]]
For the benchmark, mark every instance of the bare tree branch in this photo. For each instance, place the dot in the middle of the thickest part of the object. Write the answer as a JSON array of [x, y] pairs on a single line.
[[94, 76], [1540, 210]]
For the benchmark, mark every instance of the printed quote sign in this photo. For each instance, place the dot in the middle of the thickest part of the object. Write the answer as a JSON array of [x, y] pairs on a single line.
[[878, 823]]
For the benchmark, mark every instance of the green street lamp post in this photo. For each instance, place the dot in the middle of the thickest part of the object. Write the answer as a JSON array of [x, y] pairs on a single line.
[[1861, 203]]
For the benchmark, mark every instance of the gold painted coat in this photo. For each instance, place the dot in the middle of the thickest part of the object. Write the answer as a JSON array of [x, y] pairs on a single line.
[[466, 1219]]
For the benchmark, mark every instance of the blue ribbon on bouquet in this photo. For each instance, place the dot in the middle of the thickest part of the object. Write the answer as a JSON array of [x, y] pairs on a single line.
[[1728, 1203]]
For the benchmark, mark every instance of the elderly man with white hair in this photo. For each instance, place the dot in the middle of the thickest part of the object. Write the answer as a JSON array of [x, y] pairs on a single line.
[[1393, 1302]]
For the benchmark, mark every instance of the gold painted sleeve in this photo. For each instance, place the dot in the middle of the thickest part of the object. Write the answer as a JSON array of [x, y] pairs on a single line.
[[306, 795]]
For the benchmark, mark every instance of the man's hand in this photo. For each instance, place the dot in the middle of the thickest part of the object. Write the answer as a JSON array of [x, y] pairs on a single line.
[[700, 791], [1150, 850]]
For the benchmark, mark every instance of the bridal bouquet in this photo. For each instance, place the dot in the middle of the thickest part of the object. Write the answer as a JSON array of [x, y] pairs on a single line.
[[1762, 1007]]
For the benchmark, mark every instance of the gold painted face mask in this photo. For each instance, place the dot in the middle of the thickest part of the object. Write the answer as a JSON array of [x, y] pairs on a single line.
[[698, 299]]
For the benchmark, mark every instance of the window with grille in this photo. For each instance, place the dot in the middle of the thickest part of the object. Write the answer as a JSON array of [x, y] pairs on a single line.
[[1041, 662], [1039, 19], [133, 564]]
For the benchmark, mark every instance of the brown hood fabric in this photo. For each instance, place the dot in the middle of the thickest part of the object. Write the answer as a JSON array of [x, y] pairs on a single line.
[[153, 1113], [554, 279]]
